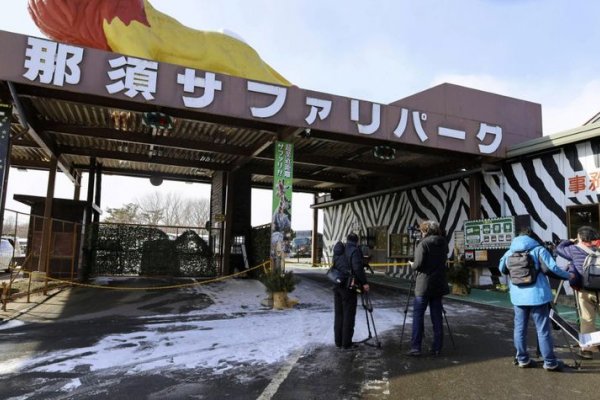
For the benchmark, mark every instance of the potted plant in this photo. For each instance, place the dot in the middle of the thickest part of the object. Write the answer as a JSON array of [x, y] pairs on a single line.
[[279, 284], [459, 276]]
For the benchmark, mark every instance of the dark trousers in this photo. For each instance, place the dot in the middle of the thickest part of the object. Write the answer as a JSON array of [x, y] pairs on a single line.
[[435, 310], [345, 312]]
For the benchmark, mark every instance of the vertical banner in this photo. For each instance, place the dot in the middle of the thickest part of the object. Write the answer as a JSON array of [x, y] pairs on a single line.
[[5, 113], [281, 225]]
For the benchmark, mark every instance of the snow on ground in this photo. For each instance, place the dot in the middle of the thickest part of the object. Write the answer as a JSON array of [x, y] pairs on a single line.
[[248, 334], [13, 323]]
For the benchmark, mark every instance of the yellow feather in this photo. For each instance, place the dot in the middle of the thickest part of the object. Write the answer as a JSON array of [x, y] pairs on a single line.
[[167, 40]]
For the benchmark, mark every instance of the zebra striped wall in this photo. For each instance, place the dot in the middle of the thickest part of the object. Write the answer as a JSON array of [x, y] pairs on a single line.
[[533, 185]]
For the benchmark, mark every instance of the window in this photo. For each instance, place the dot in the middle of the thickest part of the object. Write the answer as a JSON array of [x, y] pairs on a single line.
[[582, 215]]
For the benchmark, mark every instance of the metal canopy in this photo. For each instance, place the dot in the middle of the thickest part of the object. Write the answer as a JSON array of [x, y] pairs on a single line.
[[194, 148], [76, 123]]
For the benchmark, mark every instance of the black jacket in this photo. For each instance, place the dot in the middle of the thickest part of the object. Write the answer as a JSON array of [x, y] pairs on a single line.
[[355, 258], [430, 265]]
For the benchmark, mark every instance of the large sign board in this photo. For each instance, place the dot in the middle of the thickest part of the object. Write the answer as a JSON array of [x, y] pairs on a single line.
[[469, 121], [494, 233]]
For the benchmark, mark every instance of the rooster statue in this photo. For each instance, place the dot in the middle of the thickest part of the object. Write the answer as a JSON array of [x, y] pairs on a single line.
[[135, 28]]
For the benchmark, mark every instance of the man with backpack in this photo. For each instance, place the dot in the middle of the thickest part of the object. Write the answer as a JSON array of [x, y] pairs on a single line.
[[348, 260], [582, 256], [525, 261]]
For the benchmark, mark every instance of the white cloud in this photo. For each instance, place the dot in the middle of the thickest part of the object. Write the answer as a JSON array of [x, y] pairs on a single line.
[[573, 108]]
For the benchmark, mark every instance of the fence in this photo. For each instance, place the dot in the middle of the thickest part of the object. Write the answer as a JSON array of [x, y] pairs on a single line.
[[130, 249]]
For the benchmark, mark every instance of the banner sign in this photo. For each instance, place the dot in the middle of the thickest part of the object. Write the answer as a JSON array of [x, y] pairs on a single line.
[[494, 233], [281, 225], [464, 122]]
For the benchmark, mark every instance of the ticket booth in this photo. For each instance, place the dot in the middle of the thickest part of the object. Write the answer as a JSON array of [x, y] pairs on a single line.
[[65, 242]]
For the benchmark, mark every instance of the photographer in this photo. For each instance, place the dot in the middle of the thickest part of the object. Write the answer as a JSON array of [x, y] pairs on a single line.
[[573, 250], [345, 296], [531, 299], [431, 284]]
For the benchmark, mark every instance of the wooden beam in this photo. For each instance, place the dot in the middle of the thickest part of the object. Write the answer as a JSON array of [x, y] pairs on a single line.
[[147, 174], [141, 138], [26, 117], [144, 158]]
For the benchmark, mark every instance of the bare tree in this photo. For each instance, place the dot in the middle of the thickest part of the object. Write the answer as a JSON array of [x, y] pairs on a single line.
[[151, 209], [171, 209], [197, 212], [13, 226]]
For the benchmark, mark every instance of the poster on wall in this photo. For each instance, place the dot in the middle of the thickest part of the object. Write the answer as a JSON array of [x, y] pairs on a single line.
[[281, 225], [493, 233], [399, 245]]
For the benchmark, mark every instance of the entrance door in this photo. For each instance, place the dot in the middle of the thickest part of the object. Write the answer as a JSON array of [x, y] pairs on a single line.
[[582, 215]]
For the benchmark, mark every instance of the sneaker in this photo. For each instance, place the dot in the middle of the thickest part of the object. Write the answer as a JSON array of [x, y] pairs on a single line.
[[414, 353], [529, 364], [353, 346], [558, 367]]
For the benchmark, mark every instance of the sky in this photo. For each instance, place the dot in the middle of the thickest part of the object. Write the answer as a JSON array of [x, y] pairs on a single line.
[[382, 51]]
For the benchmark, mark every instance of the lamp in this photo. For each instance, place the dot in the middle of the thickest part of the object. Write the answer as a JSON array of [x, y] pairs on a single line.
[[157, 120], [156, 180], [384, 152]]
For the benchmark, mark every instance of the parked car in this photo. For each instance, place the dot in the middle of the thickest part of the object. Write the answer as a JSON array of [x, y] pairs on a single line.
[[6, 254], [301, 247]]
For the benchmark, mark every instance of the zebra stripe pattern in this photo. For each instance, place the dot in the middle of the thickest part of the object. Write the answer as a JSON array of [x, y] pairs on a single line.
[[532, 186]]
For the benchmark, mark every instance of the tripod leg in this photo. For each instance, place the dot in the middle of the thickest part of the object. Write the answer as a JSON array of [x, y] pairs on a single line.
[[377, 342], [560, 286], [406, 311], [448, 326], [368, 324]]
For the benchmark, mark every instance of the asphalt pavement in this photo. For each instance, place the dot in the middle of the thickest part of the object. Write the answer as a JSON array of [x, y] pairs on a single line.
[[84, 343]]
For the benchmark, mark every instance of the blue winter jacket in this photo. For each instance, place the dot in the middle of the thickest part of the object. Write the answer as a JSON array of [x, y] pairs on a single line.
[[540, 292]]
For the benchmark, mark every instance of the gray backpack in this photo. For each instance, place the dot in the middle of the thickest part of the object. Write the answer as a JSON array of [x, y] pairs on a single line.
[[521, 268], [590, 269]]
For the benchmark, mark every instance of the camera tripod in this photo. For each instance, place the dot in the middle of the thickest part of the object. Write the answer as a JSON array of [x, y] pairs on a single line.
[[368, 306], [407, 305], [576, 362]]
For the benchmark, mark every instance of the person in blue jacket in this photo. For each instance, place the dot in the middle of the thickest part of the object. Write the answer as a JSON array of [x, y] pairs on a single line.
[[533, 300]]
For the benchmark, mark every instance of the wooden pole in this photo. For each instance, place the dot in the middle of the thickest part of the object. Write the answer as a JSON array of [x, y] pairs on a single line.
[[315, 235], [47, 223]]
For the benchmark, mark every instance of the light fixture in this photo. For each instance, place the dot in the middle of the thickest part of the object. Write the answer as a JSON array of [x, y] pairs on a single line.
[[305, 133], [384, 152], [157, 121], [156, 180]]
